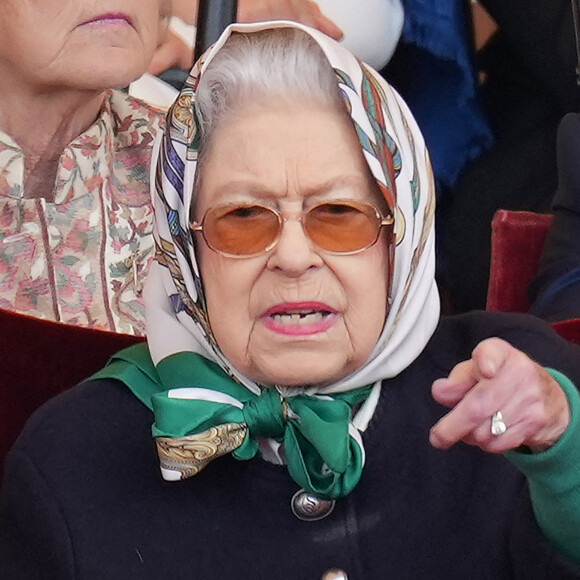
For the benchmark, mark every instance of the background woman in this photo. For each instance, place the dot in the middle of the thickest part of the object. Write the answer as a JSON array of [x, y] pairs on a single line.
[[75, 229], [293, 320]]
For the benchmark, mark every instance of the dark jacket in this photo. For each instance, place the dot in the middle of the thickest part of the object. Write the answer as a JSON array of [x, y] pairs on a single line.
[[83, 498]]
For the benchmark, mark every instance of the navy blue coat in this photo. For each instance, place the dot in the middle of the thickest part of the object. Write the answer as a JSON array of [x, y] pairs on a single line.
[[83, 497]]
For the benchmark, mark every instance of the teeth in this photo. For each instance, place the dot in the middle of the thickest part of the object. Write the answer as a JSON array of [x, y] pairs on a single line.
[[300, 319]]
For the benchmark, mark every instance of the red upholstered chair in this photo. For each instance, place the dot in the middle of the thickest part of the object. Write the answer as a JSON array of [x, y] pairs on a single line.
[[40, 359], [517, 239]]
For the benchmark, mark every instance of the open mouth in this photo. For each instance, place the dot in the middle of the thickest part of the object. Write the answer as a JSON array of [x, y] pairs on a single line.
[[300, 318]]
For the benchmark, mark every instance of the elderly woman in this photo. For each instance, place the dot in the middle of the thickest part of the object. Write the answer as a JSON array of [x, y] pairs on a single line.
[[294, 339], [76, 217]]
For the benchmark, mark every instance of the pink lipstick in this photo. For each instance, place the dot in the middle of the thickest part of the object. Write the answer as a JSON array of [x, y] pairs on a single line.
[[110, 18], [299, 318]]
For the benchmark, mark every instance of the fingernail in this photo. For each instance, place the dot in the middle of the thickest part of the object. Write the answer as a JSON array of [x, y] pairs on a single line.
[[491, 367], [438, 385], [434, 440]]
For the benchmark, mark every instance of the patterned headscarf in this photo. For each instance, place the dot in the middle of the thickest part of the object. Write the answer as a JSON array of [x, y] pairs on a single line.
[[395, 152], [203, 406]]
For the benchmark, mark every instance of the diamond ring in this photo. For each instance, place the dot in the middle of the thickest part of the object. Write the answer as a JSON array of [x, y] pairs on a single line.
[[498, 425]]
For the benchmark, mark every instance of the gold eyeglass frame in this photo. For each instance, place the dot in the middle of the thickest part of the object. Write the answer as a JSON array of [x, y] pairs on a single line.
[[383, 221]]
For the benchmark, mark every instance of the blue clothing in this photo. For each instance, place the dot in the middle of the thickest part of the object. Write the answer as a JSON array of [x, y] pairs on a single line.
[[443, 91]]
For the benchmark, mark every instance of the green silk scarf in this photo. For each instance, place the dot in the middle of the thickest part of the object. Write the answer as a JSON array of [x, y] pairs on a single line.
[[202, 413]]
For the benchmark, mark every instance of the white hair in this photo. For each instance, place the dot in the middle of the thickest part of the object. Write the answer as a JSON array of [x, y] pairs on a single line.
[[255, 69]]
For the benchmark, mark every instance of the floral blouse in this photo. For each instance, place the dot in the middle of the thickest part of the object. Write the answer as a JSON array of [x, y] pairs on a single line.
[[82, 259]]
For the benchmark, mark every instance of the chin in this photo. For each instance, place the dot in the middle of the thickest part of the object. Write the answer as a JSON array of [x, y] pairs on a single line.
[[303, 371], [103, 76]]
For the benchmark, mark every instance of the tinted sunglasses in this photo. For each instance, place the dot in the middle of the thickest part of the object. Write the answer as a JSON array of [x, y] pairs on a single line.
[[338, 227]]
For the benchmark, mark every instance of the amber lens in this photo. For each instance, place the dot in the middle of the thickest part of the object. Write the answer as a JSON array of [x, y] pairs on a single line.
[[241, 230], [343, 227]]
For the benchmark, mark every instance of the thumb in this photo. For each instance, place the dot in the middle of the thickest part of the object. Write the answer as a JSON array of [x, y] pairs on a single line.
[[489, 356], [172, 53], [324, 24]]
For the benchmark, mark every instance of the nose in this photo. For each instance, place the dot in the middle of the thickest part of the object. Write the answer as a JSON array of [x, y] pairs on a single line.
[[294, 253]]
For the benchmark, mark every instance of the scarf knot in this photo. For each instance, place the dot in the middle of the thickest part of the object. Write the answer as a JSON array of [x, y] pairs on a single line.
[[196, 424], [264, 415]]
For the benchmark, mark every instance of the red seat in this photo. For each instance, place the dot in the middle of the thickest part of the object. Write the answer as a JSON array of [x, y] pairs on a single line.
[[41, 359], [517, 240]]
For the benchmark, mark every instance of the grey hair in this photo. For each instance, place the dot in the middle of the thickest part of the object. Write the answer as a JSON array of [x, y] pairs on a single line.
[[254, 69]]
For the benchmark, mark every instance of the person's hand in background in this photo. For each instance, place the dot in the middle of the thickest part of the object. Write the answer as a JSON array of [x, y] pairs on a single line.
[[303, 11], [175, 52]]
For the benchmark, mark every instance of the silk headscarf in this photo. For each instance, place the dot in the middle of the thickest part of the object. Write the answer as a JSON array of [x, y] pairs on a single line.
[[395, 152], [201, 414]]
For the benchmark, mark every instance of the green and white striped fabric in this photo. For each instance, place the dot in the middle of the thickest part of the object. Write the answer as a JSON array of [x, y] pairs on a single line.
[[199, 419]]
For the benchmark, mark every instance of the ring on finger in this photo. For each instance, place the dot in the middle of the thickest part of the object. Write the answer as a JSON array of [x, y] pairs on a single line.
[[498, 425]]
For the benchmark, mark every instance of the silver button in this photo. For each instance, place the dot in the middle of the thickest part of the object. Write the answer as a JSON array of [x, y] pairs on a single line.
[[308, 507], [334, 574]]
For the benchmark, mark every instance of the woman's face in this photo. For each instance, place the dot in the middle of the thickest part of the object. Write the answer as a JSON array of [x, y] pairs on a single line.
[[84, 44], [295, 315]]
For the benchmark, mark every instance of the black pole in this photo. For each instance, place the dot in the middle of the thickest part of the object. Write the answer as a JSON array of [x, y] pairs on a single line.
[[212, 18], [576, 15]]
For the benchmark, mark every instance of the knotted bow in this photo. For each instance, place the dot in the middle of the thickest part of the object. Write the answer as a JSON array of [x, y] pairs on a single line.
[[196, 424]]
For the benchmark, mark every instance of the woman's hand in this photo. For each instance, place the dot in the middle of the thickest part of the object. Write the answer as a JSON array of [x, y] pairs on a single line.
[[174, 52], [499, 377], [303, 11]]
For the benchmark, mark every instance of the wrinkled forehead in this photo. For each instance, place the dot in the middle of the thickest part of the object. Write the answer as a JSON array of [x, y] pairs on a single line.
[[363, 93], [276, 155]]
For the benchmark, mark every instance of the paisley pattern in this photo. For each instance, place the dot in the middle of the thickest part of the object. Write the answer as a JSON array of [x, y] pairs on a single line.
[[201, 414], [82, 259], [189, 455]]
